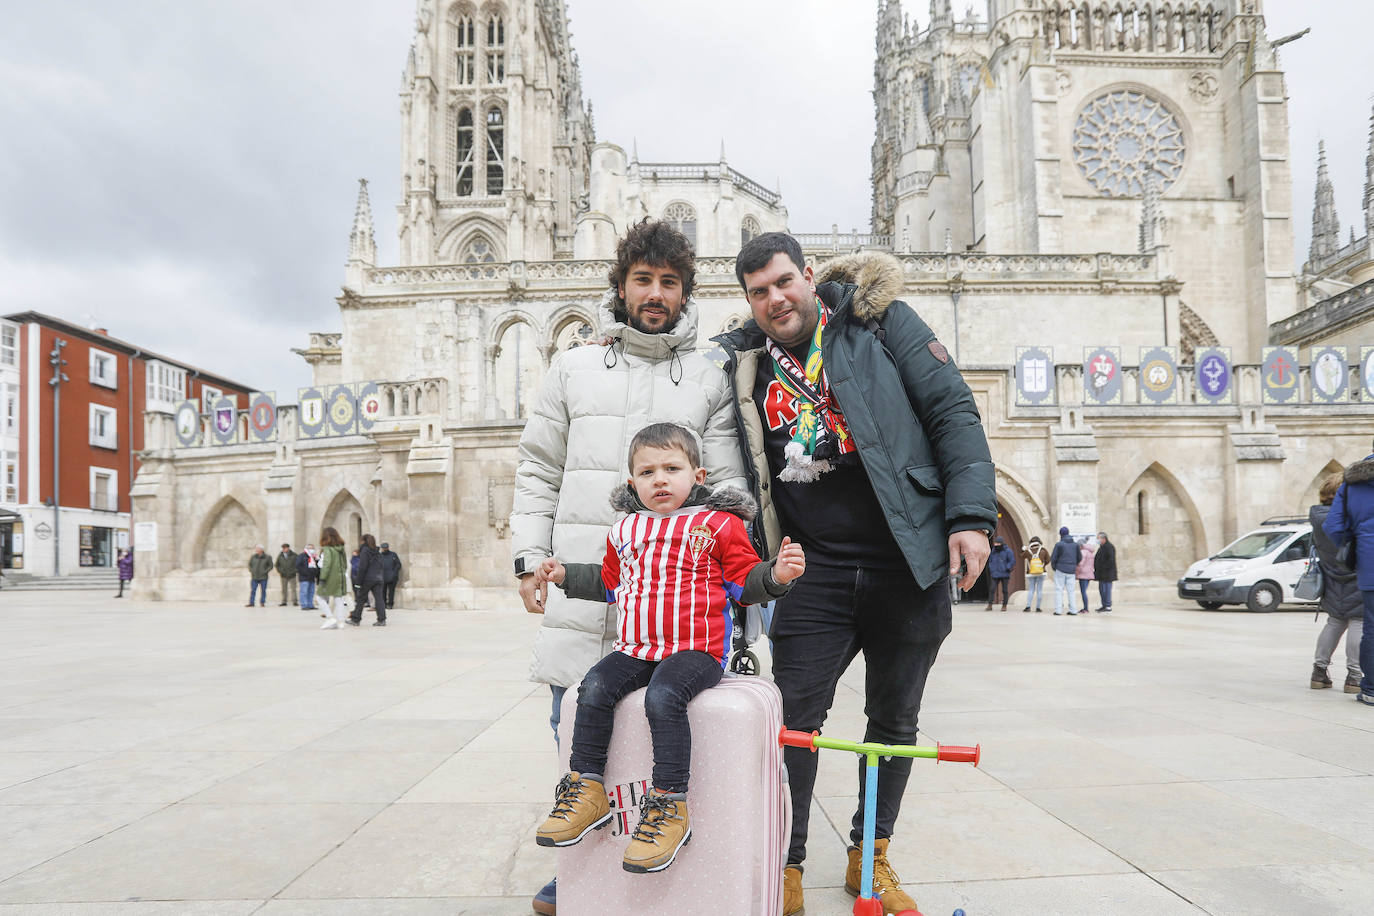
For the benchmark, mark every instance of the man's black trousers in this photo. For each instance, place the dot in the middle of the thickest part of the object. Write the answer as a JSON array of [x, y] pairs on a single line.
[[830, 616]]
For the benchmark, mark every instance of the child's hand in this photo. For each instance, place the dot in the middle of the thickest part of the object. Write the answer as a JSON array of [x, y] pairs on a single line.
[[550, 570], [791, 562]]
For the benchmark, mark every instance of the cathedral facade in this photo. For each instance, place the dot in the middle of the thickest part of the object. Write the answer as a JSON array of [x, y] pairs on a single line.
[[1056, 175]]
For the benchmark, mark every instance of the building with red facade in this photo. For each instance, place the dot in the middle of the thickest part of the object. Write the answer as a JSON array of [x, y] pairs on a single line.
[[69, 451]]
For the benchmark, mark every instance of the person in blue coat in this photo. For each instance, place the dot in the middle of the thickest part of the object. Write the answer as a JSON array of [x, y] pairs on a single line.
[[1352, 519], [1000, 564]]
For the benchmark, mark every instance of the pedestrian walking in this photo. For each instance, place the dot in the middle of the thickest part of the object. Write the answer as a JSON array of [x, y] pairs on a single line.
[[332, 583], [259, 568], [1104, 571], [1084, 572], [353, 577], [1000, 564], [1352, 519], [286, 569], [1037, 560], [1064, 562], [1341, 599], [368, 581], [391, 574], [126, 569], [308, 575]]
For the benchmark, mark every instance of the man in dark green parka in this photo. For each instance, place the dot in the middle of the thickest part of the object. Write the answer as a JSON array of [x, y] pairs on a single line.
[[862, 442]]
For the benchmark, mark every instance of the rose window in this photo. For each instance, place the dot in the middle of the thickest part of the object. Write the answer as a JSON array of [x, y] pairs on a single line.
[[1123, 137]]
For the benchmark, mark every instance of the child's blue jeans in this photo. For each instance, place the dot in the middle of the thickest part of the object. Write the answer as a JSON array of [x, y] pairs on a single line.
[[672, 684]]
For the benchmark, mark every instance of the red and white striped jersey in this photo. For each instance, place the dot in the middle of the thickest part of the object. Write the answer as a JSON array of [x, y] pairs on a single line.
[[672, 577]]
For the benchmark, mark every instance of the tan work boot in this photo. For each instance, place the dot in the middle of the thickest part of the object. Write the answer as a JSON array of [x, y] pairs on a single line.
[[792, 902], [580, 807], [886, 885], [663, 829]]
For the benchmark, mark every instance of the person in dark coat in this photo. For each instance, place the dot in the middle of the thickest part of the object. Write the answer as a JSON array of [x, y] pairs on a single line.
[[1104, 571], [1341, 599], [1352, 519], [1064, 561], [391, 574], [862, 441], [259, 568], [308, 575], [126, 569], [368, 581], [286, 569], [1000, 564]]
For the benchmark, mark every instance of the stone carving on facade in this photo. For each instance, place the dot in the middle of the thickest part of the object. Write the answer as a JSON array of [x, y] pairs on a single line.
[[1203, 86], [1122, 136], [1063, 82]]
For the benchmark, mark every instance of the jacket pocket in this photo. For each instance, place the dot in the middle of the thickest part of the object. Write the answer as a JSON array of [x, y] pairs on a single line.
[[926, 477]]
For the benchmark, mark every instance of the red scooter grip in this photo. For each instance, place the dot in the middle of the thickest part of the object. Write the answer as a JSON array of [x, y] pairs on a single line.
[[789, 738], [957, 754]]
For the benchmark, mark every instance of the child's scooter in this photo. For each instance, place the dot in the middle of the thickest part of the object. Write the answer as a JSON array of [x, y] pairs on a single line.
[[867, 904]]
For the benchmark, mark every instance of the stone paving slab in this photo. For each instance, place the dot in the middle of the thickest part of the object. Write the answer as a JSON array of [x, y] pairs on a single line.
[[195, 759]]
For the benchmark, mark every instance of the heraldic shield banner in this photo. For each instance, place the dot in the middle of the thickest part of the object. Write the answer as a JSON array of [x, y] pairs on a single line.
[[188, 424], [369, 404], [1330, 374], [1035, 376], [224, 415], [311, 419], [1279, 375], [1213, 375], [341, 411], [1158, 379], [1367, 373], [1102, 375], [262, 416]]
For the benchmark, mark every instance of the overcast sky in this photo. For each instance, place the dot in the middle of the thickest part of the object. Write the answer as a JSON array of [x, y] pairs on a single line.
[[184, 172]]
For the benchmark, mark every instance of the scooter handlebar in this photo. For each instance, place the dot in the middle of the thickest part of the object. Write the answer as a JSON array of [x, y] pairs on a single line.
[[791, 738], [956, 754]]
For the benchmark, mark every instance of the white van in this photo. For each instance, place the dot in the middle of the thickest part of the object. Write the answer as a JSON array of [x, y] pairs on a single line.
[[1259, 570]]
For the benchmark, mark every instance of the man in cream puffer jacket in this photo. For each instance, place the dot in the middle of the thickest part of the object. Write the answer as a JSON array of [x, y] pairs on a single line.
[[573, 451]]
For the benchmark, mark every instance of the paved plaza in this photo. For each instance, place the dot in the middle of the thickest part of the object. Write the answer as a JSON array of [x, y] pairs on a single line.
[[212, 759]]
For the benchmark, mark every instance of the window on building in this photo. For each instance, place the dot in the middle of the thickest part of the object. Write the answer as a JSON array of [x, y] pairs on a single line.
[[104, 489], [683, 218], [465, 163], [104, 427], [496, 151], [1142, 513], [9, 422], [104, 369], [464, 43], [208, 396], [748, 230], [9, 478], [478, 251], [166, 386], [496, 49], [9, 345]]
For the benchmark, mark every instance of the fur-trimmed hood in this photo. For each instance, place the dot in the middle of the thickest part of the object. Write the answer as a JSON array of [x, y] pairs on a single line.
[[721, 499], [1360, 471], [878, 277]]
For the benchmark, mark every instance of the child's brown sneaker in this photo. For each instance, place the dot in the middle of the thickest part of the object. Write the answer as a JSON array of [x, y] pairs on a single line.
[[580, 807], [886, 885], [663, 829]]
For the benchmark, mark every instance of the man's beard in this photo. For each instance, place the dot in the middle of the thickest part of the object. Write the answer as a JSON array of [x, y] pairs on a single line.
[[639, 324]]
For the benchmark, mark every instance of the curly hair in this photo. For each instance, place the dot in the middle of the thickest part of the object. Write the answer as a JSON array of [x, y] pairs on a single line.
[[658, 244], [1330, 485]]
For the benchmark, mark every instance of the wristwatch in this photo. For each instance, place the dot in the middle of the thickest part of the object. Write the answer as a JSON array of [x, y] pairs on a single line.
[[522, 568]]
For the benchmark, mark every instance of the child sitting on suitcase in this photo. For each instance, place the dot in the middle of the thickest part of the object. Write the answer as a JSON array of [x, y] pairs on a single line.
[[671, 566]]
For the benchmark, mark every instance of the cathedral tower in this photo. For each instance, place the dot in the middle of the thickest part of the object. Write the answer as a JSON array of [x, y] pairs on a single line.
[[1326, 227], [495, 139]]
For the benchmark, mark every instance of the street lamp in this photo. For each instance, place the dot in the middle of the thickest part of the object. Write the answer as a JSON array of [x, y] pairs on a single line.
[[58, 377]]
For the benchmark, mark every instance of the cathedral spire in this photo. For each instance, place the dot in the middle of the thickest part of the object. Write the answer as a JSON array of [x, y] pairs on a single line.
[[362, 247], [1326, 227], [1369, 182]]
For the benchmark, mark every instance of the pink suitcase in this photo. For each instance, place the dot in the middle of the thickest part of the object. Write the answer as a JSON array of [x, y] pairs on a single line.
[[739, 802]]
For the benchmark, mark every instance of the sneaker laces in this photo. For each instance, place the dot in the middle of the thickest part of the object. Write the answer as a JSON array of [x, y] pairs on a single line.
[[566, 795], [654, 809]]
